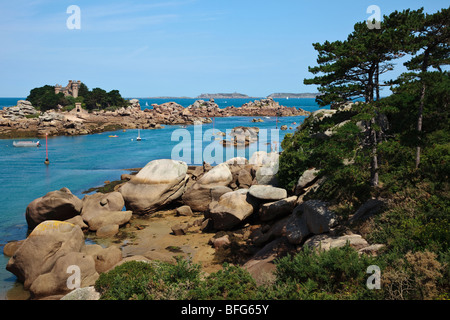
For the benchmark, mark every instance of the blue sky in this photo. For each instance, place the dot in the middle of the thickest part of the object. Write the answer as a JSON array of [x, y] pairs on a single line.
[[175, 47]]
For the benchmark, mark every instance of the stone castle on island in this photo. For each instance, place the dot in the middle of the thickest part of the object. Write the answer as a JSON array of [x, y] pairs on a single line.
[[70, 90]]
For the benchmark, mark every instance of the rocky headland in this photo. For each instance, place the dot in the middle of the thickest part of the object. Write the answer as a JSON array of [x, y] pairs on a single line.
[[24, 120]]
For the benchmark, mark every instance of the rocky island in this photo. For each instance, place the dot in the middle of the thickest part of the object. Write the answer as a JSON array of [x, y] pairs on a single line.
[[24, 120], [293, 95], [235, 95]]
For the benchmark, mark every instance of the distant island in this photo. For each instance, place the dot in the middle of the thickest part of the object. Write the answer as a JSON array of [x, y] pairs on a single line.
[[235, 95], [167, 98], [293, 95]]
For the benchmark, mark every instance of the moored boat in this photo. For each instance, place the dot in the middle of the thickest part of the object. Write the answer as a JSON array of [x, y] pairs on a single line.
[[26, 144], [139, 135]]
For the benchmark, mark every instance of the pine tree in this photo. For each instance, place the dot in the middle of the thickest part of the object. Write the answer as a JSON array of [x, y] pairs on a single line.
[[431, 38], [351, 69]]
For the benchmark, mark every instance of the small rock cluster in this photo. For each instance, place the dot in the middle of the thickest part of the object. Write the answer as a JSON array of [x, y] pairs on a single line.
[[24, 108]]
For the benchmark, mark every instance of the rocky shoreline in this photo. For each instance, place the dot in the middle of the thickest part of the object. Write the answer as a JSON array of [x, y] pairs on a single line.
[[232, 212], [23, 121]]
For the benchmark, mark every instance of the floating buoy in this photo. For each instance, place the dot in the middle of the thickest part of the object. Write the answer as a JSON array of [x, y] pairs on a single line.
[[47, 162]]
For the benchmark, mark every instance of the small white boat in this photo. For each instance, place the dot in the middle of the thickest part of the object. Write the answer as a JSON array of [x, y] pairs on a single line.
[[26, 144], [139, 136]]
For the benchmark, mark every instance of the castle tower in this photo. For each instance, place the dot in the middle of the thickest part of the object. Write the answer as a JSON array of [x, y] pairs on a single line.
[[75, 88], [72, 88]]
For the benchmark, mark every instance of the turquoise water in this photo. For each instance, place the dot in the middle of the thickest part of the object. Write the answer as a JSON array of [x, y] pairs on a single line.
[[82, 162]]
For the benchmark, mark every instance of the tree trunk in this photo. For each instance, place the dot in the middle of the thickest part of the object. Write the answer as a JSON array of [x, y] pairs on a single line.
[[421, 105], [374, 167], [377, 81], [370, 85], [419, 123], [373, 134]]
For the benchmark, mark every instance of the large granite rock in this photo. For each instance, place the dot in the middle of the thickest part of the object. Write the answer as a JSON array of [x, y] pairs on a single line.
[[156, 185], [48, 242], [105, 210], [48, 260], [104, 258], [82, 294], [134, 103], [318, 217], [308, 177], [326, 242], [266, 165], [55, 205], [267, 193], [100, 202], [21, 110], [220, 175], [310, 218], [57, 282], [231, 209], [278, 209], [296, 228], [213, 183], [242, 136]]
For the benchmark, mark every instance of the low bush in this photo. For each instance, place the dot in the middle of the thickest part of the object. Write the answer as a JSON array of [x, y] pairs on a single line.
[[138, 280], [230, 283], [339, 273]]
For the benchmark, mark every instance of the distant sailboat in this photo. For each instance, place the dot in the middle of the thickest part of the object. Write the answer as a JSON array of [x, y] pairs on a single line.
[[139, 135], [146, 104]]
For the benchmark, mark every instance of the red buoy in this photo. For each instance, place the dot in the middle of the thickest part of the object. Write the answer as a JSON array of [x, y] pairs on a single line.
[[47, 162]]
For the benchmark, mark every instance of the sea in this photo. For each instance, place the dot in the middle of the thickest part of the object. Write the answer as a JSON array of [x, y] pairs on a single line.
[[82, 162]]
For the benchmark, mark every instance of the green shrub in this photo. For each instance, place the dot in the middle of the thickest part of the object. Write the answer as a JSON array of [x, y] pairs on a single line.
[[416, 221], [129, 281], [137, 280], [230, 283], [339, 273]]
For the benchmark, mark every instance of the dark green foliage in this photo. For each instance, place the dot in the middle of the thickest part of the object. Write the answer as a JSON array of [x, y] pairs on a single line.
[[129, 281], [337, 155], [414, 224], [135, 280], [100, 99], [44, 98], [332, 271], [231, 283], [417, 221]]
